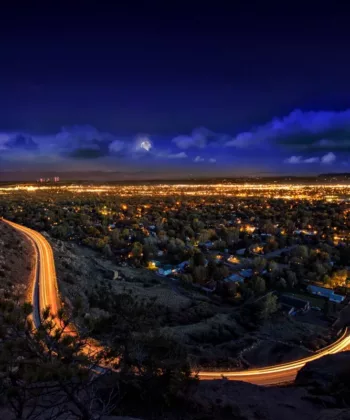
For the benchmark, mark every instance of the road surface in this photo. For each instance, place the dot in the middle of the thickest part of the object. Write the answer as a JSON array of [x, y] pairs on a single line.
[[47, 295], [45, 289]]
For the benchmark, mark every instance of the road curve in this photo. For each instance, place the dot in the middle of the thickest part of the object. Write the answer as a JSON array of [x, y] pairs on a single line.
[[45, 291], [271, 375]]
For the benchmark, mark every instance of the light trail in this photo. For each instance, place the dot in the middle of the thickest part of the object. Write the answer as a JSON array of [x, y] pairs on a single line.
[[45, 267], [272, 375]]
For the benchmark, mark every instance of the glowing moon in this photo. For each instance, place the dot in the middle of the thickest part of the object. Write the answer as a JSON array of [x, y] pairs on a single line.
[[145, 145]]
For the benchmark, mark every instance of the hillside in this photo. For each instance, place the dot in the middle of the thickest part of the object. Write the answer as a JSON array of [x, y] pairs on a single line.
[[320, 392], [16, 262]]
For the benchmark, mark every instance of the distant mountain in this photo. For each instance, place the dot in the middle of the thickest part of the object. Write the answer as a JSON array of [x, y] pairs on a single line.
[[337, 175]]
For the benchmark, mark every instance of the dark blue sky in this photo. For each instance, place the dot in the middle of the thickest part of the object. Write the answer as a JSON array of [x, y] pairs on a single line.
[[112, 87]]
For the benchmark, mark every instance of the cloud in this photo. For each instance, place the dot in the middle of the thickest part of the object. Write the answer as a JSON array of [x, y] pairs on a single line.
[[198, 159], [341, 144], [116, 146], [295, 160], [88, 153], [83, 142], [242, 140], [4, 138], [180, 155], [19, 141], [212, 160], [300, 130], [329, 158], [199, 139], [326, 159], [312, 160]]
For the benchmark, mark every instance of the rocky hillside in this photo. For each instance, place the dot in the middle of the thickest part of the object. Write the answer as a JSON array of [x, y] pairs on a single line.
[[213, 334], [16, 262], [321, 392]]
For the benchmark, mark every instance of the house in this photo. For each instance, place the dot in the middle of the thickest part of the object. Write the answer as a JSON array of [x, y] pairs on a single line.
[[165, 270], [304, 232], [153, 264], [336, 298], [293, 305], [233, 260], [246, 273], [235, 278], [324, 292], [182, 265]]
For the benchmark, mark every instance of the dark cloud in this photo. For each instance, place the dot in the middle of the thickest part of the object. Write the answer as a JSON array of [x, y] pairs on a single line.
[[338, 139], [83, 142], [86, 153], [312, 130]]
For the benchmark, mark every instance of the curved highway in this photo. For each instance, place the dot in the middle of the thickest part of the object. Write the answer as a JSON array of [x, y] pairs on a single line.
[[45, 289], [45, 293]]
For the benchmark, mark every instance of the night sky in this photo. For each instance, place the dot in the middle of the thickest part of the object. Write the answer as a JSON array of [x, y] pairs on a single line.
[[175, 88]]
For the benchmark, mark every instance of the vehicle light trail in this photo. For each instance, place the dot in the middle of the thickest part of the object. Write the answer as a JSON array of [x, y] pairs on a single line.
[[45, 267], [271, 375]]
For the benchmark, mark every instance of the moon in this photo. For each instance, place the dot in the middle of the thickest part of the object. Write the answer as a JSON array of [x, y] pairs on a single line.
[[145, 145]]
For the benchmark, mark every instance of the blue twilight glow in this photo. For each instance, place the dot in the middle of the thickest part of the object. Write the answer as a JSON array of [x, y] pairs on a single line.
[[161, 90], [307, 142]]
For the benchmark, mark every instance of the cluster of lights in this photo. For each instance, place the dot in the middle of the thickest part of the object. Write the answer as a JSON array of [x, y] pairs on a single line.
[[329, 193]]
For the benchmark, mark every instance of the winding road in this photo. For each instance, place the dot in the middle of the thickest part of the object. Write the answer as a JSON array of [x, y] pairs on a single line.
[[45, 293]]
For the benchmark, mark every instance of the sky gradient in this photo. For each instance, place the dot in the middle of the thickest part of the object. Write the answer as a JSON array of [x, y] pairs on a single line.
[[244, 89]]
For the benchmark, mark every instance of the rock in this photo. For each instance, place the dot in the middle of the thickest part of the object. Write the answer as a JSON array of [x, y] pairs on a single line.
[[323, 374], [224, 399]]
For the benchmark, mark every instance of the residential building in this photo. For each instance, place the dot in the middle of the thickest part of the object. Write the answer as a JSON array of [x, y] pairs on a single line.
[[324, 292], [235, 278]]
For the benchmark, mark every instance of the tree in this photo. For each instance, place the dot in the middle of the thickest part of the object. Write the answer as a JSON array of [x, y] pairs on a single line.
[[266, 307], [291, 278], [200, 274], [198, 259], [48, 372], [282, 283], [229, 289], [259, 264], [204, 236], [219, 245], [137, 250], [107, 252], [259, 285], [301, 251], [339, 278], [273, 266], [220, 272], [231, 236], [115, 236]]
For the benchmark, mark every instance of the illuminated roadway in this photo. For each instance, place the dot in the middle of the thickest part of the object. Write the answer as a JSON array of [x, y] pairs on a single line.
[[45, 293], [45, 289]]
